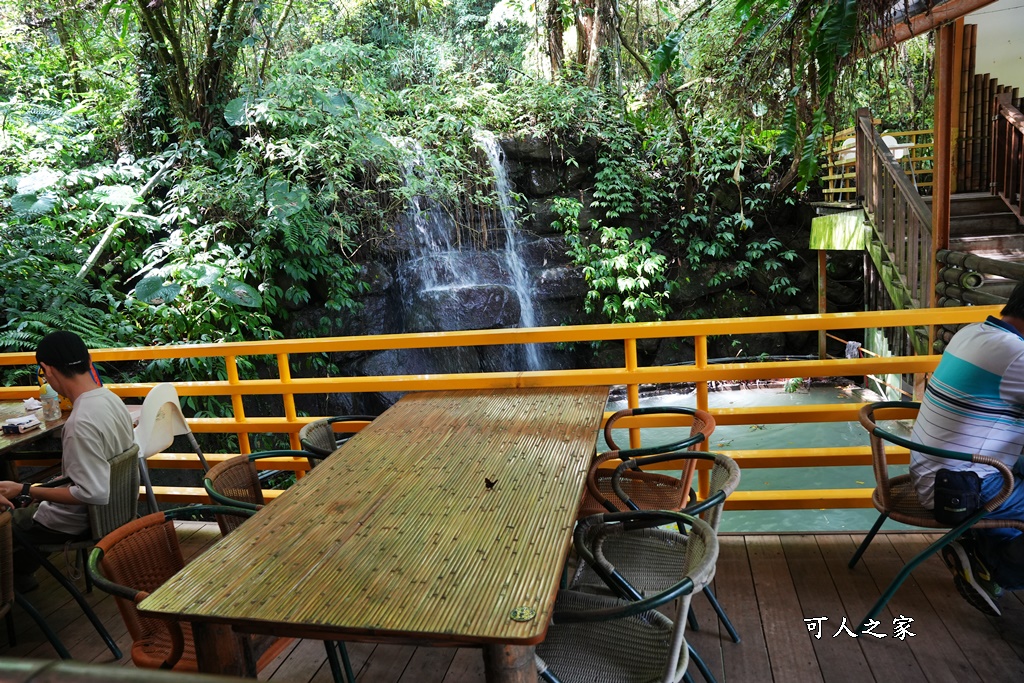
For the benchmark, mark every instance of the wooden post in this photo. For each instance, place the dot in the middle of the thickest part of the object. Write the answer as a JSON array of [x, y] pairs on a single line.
[[822, 299], [943, 167], [509, 664], [219, 650]]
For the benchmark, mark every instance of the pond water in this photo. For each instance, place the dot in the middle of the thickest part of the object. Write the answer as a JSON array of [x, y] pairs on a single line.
[[781, 436]]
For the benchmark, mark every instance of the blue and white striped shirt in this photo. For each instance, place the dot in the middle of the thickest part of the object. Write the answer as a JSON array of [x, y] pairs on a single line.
[[974, 403]]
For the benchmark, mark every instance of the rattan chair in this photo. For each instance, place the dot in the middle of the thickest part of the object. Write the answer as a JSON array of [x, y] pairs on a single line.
[[654, 559], [136, 559], [600, 638], [235, 483], [8, 596], [896, 498], [651, 490], [323, 437], [122, 507]]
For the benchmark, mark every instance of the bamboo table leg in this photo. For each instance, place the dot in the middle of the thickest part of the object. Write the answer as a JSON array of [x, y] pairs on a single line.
[[509, 664], [220, 650]]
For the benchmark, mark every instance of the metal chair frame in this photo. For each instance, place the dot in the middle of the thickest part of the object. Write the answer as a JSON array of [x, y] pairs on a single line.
[[599, 477], [320, 438], [699, 571], [9, 596], [896, 498]]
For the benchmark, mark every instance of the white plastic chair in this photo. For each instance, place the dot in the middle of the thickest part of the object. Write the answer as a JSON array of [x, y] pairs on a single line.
[[161, 420]]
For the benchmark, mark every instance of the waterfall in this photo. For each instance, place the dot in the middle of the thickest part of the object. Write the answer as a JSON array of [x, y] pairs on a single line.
[[513, 242], [449, 285], [431, 227]]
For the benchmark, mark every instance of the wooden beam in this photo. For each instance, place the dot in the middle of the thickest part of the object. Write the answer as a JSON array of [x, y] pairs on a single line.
[[944, 64], [904, 29]]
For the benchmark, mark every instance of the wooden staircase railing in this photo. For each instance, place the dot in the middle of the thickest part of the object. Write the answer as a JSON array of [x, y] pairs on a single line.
[[1008, 152], [900, 218], [840, 158]]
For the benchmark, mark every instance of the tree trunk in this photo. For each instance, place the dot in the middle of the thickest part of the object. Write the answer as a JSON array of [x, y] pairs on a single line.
[[603, 53], [584, 27], [556, 52], [64, 36]]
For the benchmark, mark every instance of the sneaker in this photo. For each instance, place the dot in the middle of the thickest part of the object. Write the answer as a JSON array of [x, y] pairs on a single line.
[[972, 578], [25, 583]]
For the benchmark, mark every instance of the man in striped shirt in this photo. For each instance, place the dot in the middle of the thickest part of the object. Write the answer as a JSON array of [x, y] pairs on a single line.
[[974, 403]]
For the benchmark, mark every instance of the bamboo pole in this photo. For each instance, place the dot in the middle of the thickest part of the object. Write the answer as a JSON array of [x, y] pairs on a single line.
[[955, 89], [965, 63], [990, 92], [968, 160]]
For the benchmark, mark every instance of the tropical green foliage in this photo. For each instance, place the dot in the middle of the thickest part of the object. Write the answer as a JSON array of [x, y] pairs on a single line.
[[197, 172]]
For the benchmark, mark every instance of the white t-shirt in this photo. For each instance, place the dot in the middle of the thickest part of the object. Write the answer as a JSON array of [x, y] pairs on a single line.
[[98, 428]]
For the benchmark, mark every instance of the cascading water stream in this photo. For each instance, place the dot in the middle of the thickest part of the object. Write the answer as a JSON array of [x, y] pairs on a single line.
[[513, 247], [432, 227], [446, 285]]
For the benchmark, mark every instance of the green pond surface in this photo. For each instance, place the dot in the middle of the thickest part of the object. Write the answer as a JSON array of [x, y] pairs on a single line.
[[780, 436]]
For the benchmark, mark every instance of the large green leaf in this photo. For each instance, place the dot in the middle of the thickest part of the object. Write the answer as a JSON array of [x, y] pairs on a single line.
[[117, 195], [32, 204], [153, 290], [285, 199], [202, 274], [665, 55], [236, 112], [237, 292], [37, 180]]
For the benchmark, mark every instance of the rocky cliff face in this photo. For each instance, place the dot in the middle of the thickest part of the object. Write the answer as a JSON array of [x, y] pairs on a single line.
[[404, 294]]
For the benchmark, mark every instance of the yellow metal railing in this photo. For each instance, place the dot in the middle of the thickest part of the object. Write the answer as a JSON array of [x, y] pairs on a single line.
[[288, 356]]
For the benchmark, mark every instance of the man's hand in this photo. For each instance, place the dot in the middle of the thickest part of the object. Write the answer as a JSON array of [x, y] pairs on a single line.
[[5, 504], [9, 489]]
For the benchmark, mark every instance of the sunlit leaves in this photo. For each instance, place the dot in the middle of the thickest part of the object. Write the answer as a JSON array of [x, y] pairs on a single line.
[[33, 204], [156, 290], [164, 285]]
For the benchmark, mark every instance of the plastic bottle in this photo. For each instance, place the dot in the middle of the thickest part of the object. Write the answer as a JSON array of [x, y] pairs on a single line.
[[51, 403]]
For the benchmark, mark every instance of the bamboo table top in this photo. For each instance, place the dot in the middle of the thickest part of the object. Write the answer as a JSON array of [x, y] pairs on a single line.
[[433, 524]]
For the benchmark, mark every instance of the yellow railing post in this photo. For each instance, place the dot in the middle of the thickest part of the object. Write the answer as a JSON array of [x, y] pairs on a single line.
[[629, 374], [632, 390], [231, 364], [700, 356], [284, 371]]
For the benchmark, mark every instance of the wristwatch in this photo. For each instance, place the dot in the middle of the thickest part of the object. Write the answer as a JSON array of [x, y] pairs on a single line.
[[24, 499]]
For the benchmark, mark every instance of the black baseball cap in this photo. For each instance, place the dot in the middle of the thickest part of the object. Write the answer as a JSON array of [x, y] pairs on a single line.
[[63, 349]]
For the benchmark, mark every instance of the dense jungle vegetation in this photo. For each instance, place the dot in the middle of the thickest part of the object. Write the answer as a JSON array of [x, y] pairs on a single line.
[[178, 171]]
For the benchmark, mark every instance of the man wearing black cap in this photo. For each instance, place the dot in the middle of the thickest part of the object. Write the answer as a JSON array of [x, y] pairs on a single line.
[[98, 428]]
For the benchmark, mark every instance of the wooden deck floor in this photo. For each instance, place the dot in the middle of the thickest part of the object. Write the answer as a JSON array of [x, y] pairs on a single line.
[[768, 584]]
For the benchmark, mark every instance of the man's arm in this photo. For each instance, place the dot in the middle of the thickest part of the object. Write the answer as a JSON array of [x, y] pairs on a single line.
[[11, 489]]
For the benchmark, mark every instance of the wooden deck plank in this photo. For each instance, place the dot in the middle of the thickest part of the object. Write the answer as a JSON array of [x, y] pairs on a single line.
[[429, 664], [792, 655], [838, 654], [936, 650], [467, 666], [734, 584], [857, 591], [767, 584], [386, 664], [992, 658]]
